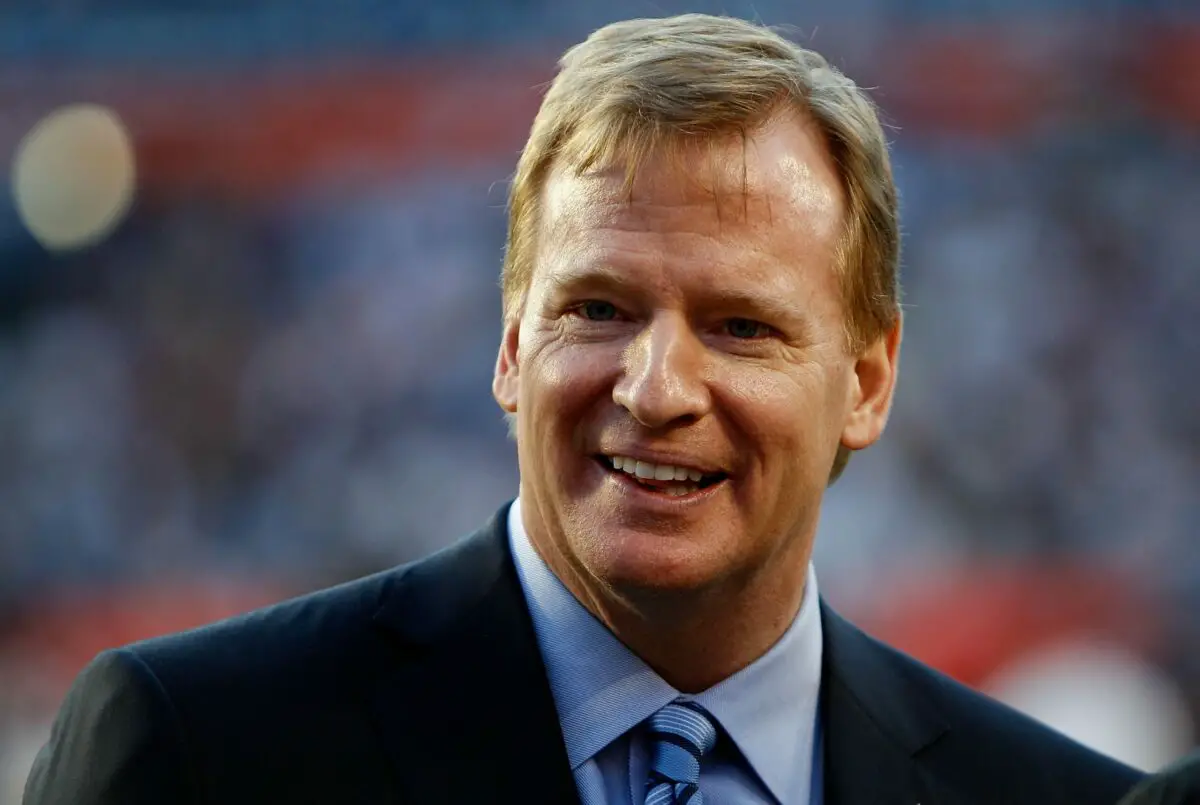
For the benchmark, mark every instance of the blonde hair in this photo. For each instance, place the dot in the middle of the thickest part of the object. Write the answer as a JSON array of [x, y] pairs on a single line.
[[648, 86]]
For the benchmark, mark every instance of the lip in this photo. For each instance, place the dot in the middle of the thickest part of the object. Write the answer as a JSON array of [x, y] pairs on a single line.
[[643, 496]]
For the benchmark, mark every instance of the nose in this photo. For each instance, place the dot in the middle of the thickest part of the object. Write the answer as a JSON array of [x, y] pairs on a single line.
[[663, 381]]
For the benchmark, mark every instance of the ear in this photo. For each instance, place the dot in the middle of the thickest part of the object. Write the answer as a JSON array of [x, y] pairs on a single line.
[[506, 382], [874, 385]]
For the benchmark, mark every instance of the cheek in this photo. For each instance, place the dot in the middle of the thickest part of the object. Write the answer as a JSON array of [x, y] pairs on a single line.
[[560, 383], [785, 417]]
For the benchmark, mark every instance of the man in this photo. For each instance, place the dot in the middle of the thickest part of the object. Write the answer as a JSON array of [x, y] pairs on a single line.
[[701, 322], [1178, 784]]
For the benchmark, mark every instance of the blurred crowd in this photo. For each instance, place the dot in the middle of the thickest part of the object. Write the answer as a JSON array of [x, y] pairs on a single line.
[[295, 386], [301, 389]]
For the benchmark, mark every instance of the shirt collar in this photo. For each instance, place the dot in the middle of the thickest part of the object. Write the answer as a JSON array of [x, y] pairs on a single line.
[[602, 689]]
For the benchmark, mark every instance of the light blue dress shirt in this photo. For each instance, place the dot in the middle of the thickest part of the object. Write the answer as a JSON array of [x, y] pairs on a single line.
[[768, 711]]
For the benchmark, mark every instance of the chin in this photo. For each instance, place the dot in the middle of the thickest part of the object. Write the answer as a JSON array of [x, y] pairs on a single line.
[[630, 561]]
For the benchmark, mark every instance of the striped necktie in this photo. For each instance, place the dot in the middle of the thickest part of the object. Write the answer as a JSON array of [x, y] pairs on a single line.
[[680, 734]]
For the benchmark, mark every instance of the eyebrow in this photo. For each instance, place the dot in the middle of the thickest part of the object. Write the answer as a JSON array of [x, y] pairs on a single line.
[[600, 277], [762, 304]]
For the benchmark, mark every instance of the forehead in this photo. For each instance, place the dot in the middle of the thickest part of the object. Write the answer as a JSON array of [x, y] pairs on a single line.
[[773, 196]]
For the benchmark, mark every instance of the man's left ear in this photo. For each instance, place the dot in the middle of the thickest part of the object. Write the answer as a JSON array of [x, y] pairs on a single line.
[[874, 385]]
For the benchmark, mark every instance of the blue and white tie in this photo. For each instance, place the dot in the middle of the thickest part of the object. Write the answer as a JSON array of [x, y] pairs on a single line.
[[680, 734]]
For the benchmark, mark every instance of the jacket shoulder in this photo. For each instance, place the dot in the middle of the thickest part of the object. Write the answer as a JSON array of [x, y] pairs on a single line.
[[328, 639], [142, 722], [302, 634]]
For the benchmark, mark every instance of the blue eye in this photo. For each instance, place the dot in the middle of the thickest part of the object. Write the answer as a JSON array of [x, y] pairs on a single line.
[[598, 311], [747, 329]]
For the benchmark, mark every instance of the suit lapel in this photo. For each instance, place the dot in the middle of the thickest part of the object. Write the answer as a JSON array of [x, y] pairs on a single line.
[[875, 725], [466, 713]]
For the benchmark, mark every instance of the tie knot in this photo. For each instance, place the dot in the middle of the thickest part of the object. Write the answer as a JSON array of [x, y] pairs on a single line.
[[685, 720], [681, 734]]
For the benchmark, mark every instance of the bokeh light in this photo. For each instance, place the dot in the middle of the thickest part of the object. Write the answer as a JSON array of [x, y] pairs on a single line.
[[74, 176], [1103, 696]]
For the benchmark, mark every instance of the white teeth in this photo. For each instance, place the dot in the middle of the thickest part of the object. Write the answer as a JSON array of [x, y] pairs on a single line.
[[658, 472], [678, 490]]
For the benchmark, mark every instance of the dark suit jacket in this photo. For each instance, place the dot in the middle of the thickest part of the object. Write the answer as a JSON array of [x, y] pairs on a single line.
[[1178, 784], [424, 684]]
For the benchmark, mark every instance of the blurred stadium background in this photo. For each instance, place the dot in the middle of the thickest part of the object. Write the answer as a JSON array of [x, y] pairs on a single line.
[[248, 312]]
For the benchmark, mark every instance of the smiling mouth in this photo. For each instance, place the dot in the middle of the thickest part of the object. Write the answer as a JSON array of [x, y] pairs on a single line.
[[663, 479]]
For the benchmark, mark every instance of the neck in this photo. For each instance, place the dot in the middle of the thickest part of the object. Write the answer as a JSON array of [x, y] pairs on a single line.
[[694, 639]]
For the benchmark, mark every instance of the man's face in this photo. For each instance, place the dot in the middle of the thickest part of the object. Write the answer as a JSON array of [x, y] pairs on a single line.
[[679, 369]]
